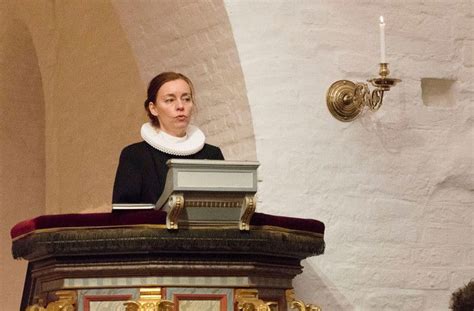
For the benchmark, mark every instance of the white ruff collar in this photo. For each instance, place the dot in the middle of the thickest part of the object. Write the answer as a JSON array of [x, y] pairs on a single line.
[[191, 143]]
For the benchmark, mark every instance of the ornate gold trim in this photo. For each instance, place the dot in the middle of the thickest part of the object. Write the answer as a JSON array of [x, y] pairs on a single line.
[[247, 300], [150, 300], [35, 307], [196, 203], [176, 205], [249, 205], [299, 305], [66, 302]]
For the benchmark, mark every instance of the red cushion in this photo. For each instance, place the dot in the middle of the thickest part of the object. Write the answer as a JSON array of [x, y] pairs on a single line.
[[147, 217]]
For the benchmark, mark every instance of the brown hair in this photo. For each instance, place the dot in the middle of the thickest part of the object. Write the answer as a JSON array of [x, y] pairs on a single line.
[[156, 83]]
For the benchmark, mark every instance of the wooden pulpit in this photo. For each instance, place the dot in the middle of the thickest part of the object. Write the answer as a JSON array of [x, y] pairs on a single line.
[[136, 260]]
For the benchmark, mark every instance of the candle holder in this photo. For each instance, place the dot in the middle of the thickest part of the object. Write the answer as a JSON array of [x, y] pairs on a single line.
[[346, 99]]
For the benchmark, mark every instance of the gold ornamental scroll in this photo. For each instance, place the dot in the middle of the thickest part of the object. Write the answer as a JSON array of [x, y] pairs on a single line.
[[150, 300], [66, 302], [295, 304], [247, 300]]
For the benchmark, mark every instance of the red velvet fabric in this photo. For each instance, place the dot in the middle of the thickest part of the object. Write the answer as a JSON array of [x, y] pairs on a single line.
[[146, 217]]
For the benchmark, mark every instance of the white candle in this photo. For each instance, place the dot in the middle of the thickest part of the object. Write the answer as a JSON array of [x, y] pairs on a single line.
[[382, 40]]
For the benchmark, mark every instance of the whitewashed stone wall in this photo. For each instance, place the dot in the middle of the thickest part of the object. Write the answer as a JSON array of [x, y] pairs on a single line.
[[394, 188]]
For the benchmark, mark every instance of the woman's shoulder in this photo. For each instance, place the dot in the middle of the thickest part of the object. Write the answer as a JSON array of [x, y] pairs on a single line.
[[212, 152], [134, 150], [210, 147], [135, 147]]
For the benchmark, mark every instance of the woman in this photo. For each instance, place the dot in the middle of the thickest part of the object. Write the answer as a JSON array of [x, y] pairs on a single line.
[[142, 169]]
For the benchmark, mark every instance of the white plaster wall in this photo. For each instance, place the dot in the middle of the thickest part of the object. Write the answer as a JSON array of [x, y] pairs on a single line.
[[394, 188]]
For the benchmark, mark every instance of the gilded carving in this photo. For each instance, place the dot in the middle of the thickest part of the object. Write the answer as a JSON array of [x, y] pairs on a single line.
[[150, 300], [66, 302], [247, 300], [228, 203], [35, 307], [248, 208], [299, 305], [176, 205], [149, 306]]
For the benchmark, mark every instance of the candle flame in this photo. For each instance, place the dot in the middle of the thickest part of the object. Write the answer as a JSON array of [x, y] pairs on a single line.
[[381, 19]]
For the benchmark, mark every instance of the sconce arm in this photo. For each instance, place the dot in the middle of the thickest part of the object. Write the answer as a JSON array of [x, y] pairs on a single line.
[[346, 99]]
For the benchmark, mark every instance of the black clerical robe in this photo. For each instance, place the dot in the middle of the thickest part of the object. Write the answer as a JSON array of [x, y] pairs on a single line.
[[142, 170]]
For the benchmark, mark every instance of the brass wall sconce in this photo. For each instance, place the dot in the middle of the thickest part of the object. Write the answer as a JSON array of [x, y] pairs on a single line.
[[346, 99]]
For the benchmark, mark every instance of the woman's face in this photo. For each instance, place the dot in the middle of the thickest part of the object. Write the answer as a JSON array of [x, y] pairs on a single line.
[[173, 107]]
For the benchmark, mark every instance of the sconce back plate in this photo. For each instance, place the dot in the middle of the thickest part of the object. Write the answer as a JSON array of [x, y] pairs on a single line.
[[340, 101]]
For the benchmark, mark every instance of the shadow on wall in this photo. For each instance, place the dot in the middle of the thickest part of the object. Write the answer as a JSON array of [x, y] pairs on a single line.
[[323, 292], [22, 155]]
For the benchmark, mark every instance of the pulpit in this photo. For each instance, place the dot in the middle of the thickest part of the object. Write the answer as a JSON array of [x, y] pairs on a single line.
[[134, 260]]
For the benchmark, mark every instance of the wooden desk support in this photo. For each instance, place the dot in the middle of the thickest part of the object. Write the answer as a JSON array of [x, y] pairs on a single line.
[[203, 193]]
